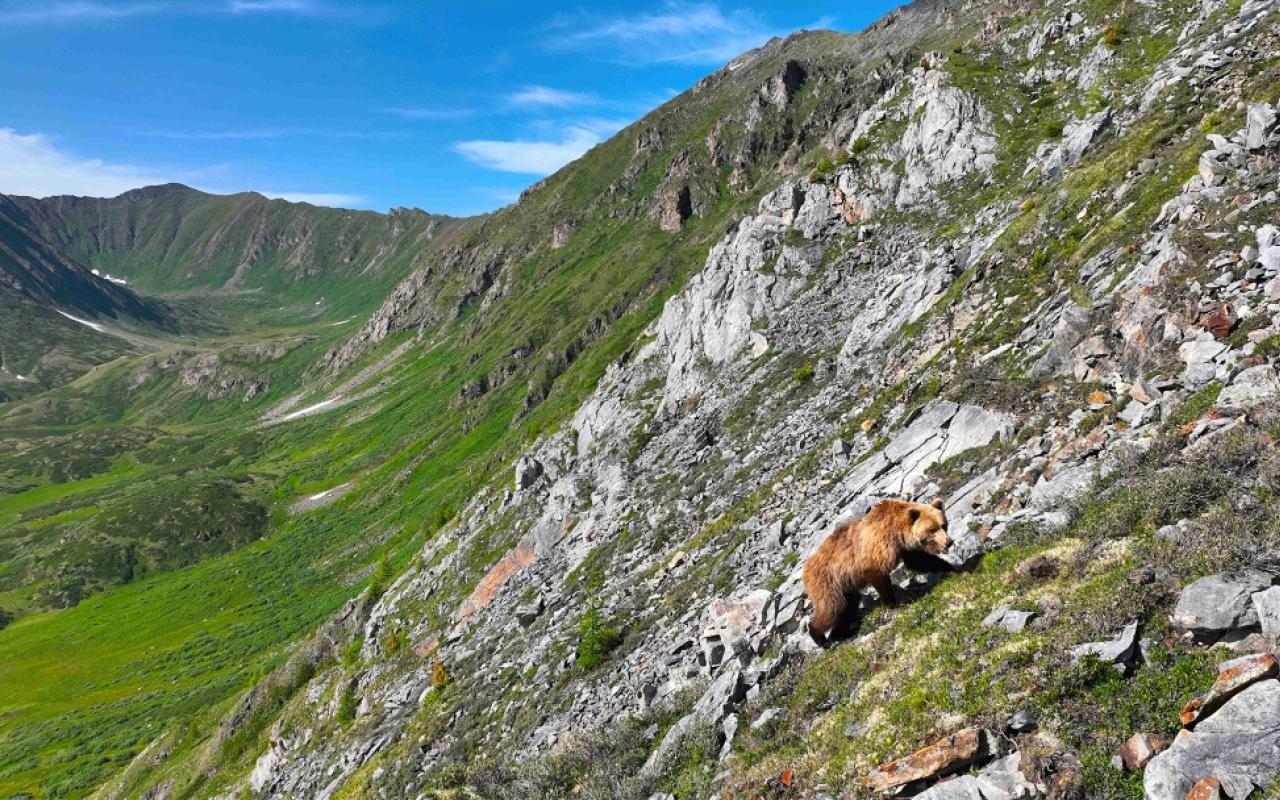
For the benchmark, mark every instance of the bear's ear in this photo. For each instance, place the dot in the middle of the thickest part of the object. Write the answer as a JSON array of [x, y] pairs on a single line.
[[937, 503], [913, 514]]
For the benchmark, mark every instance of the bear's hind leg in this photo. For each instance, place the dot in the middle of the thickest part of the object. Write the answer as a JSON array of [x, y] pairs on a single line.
[[847, 625], [828, 609]]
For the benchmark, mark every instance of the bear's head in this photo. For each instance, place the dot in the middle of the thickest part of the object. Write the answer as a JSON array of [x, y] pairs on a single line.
[[928, 528]]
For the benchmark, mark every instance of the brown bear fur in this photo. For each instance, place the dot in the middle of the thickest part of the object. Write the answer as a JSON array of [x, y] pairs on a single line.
[[862, 552]]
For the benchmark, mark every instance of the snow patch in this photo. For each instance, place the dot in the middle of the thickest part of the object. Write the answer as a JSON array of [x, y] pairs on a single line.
[[312, 409], [93, 325]]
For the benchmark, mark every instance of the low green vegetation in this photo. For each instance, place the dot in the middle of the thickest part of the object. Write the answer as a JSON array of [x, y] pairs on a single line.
[[597, 637]]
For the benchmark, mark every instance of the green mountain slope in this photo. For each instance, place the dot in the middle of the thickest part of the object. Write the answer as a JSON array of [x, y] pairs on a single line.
[[175, 240], [50, 307]]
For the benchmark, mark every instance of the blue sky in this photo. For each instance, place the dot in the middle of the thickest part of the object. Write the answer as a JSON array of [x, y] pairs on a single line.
[[453, 107]]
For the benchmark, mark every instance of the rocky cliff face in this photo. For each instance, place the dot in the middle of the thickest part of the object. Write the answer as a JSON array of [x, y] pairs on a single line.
[[1040, 279]]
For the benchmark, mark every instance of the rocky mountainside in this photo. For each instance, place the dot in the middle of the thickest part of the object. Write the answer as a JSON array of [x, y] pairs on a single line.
[[1021, 257]]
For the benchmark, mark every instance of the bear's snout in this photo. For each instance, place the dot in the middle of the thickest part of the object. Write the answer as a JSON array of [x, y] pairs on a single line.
[[940, 543]]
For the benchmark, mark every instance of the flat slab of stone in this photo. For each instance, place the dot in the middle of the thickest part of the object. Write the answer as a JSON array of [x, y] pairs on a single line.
[[936, 760], [1119, 652], [1008, 619], [1233, 677], [1253, 385]]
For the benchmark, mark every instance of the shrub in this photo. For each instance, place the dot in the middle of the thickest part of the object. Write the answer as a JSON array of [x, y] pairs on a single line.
[[803, 373], [346, 705], [860, 145], [382, 577], [596, 637], [351, 653], [1113, 35], [1268, 347], [1053, 129], [822, 169], [439, 675], [391, 643]]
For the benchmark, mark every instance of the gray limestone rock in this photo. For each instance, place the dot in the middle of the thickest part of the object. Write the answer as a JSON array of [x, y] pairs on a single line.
[[1259, 123], [1216, 604], [1266, 604], [1250, 387], [1239, 746]]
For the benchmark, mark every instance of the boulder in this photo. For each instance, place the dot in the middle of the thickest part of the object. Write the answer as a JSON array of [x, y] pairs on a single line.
[[1259, 122], [1220, 320], [528, 613], [1266, 604], [731, 624], [1218, 604], [1239, 746], [1121, 652], [1009, 619], [1139, 749], [1022, 721], [1207, 789], [964, 787], [1003, 779], [724, 693], [1251, 386], [528, 470]]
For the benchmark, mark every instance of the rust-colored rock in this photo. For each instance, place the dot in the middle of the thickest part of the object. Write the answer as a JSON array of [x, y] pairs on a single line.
[[1140, 749], [943, 757], [520, 557], [1207, 789], [426, 648], [1233, 676], [1221, 321]]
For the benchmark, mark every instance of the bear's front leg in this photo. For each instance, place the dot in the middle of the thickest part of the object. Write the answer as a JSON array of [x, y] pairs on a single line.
[[924, 562], [884, 588]]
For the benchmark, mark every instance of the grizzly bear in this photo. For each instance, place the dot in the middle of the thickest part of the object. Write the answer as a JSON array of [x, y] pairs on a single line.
[[862, 552]]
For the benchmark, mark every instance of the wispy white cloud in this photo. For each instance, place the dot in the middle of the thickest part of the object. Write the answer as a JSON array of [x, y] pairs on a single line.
[[698, 33], [71, 12], [272, 6], [546, 96], [249, 134], [529, 157], [417, 112], [344, 10], [32, 12], [32, 164], [541, 156]]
